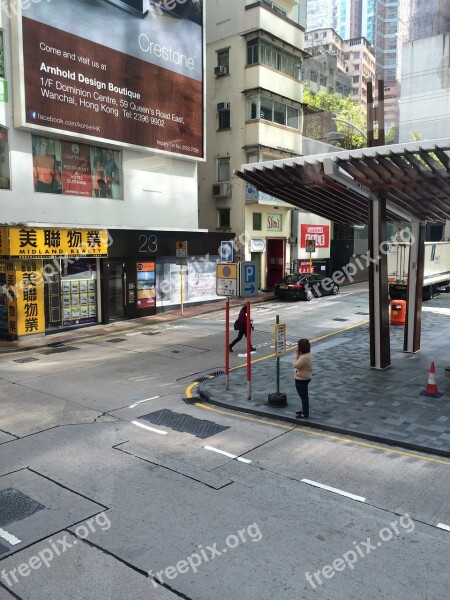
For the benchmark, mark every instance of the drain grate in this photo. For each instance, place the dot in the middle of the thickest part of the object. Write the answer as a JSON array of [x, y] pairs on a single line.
[[59, 349], [338, 319], [216, 373], [25, 360], [152, 333], [190, 400], [116, 340], [362, 313], [15, 506], [201, 428]]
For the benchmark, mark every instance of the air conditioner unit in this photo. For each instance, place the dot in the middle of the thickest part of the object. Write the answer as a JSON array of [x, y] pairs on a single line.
[[223, 106], [221, 190], [220, 70]]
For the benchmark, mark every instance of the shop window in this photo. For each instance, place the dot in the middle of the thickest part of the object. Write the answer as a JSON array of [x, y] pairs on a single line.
[[257, 221], [223, 169], [224, 218], [76, 169]]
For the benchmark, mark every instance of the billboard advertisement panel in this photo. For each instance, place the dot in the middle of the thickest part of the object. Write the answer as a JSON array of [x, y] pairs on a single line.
[[93, 70], [319, 233]]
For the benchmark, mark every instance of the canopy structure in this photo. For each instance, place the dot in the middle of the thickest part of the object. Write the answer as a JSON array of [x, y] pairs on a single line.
[[402, 182]]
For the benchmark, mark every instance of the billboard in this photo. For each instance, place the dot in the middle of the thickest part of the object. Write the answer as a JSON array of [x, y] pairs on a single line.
[[90, 69], [319, 233]]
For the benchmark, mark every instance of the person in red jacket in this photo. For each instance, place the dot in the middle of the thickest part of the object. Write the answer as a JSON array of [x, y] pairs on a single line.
[[242, 328]]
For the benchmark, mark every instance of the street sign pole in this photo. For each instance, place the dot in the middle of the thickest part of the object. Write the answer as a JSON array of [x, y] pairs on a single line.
[[181, 285], [278, 399], [227, 342], [277, 321], [249, 362]]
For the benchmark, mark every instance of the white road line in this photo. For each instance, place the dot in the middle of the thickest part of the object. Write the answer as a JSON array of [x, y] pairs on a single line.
[[149, 428], [141, 401], [9, 537], [443, 526], [334, 490], [135, 333], [244, 460]]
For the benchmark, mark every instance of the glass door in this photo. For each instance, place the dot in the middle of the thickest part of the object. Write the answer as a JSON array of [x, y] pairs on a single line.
[[116, 300]]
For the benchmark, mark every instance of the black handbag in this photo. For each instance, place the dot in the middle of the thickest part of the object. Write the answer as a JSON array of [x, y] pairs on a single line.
[[236, 325]]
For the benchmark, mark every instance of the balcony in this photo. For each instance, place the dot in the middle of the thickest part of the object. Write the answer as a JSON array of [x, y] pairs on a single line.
[[260, 16]]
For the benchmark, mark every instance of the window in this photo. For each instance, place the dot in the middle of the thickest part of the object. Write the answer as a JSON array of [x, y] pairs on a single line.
[[223, 169], [257, 221], [223, 60], [260, 51], [323, 80], [355, 79], [274, 7], [275, 111], [86, 170], [223, 218], [252, 157], [313, 76], [224, 118]]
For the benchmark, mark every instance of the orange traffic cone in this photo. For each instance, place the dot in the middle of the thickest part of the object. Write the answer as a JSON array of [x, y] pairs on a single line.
[[431, 389]]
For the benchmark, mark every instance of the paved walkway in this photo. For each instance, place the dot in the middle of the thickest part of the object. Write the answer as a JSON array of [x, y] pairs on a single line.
[[348, 397]]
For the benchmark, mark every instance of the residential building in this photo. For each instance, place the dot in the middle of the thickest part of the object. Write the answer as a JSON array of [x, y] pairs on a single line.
[[101, 133], [254, 56], [350, 65]]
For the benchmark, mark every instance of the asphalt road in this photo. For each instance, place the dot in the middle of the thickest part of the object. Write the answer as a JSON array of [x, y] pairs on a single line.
[[107, 475]]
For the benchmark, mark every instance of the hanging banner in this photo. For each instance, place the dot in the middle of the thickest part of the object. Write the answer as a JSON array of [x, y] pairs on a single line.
[[319, 233]]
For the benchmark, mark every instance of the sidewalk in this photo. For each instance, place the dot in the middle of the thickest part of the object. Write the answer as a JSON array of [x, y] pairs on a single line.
[[348, 397], [119, 327]]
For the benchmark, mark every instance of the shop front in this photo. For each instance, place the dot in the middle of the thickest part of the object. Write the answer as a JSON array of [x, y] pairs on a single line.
[[49, 279]]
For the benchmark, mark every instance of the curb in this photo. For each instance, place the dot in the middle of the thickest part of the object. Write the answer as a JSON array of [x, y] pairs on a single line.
[[209, 397]]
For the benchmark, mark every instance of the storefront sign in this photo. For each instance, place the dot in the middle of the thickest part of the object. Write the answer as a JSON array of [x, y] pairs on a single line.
[[25, 294], [257, 245], [274, 222], [319, 233], [3, 241], [43, 243]]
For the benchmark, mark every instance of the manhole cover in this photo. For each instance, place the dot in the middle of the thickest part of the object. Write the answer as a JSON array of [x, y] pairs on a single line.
[[338, 319], [201, 428], [116, 340], [15, 506], [59, 349], [25, 360]]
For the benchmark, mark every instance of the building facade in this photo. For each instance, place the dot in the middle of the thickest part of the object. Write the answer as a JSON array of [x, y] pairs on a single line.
[[101, 133], [254, 56]]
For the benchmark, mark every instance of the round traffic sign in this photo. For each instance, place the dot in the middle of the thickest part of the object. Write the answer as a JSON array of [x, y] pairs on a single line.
[[226, 271]]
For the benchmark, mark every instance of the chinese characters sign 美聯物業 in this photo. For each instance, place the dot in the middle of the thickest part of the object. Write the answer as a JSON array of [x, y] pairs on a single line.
[[25, 297], [46, 242]]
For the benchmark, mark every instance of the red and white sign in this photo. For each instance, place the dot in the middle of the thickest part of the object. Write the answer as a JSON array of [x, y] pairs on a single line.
[[319, 233], [305, 267]]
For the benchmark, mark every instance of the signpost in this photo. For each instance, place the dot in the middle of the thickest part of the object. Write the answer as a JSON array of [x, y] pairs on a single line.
[[310, 246], [279, 399], [227, 279], [247, 279], [226, 251], [181, 252]]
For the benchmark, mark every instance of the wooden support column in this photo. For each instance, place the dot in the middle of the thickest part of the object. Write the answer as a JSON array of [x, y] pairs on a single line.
[[413, 326], [380, 347]]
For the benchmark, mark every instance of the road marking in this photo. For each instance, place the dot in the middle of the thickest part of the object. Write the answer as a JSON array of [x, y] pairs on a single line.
[[304, 431], [334, 490], [244, 460], [141, 401], [135, 333], [443, 526], [149, 428], [9, 537]]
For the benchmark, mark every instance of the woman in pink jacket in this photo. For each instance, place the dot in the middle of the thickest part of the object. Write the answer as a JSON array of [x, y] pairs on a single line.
[[303, 373]]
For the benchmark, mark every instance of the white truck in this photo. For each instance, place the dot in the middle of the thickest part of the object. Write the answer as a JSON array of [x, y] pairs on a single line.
[[436, 275]]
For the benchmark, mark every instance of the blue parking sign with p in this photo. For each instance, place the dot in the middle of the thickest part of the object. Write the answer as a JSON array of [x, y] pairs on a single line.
[[247, 279], [226, 251]]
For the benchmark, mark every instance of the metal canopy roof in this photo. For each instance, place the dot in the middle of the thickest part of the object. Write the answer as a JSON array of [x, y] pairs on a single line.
[[414, 178]]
